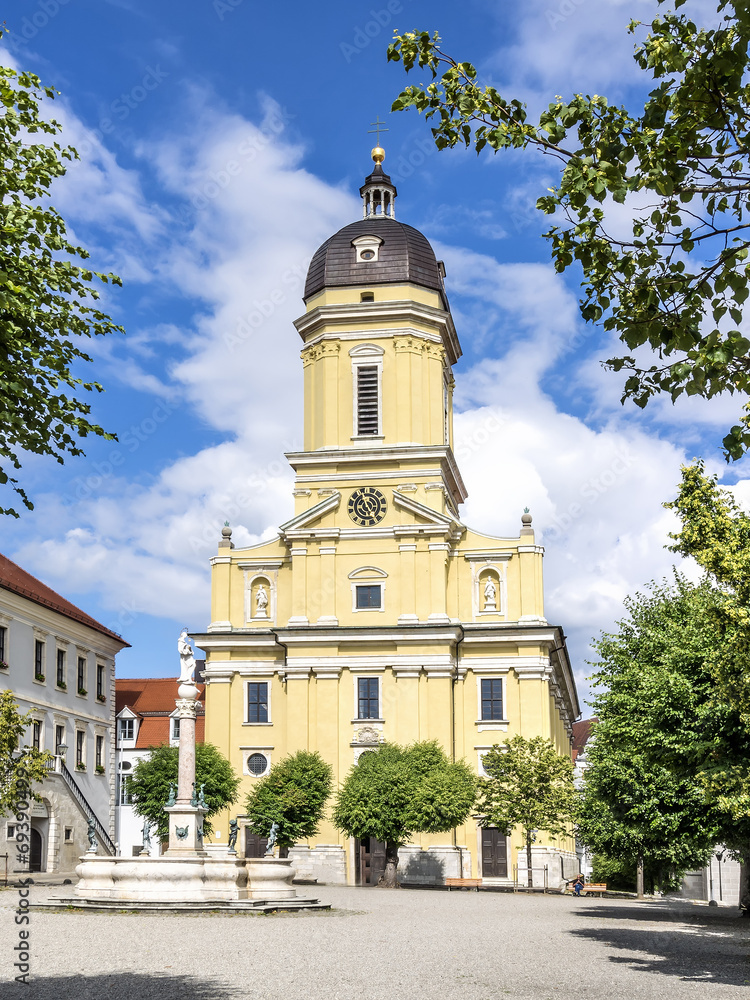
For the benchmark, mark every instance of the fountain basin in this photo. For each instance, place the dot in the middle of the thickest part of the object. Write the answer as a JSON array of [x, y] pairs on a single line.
[[183, 879]]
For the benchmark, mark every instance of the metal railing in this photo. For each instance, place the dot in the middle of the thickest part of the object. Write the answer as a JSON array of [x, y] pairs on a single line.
[[104, 838]]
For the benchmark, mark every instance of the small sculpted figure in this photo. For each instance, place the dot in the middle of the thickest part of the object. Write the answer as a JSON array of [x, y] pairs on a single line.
[[92, 835], [272, 838], [233, 835], [490, 593], [187, 658]]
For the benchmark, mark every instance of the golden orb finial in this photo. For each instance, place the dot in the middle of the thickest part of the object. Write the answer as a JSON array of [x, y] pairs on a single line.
[[378, 154]]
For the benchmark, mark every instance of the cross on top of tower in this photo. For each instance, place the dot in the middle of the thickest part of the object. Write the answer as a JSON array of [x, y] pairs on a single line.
[[378, 128]]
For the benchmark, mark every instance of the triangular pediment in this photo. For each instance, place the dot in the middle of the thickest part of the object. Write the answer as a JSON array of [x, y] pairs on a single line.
[[310, 516], [426, 514]]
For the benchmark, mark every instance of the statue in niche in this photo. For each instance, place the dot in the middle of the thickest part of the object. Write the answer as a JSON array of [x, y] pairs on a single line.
[[490, 595], [261, 602], [187, 658]]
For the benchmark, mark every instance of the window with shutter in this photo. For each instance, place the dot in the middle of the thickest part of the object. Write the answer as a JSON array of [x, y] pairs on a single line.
[[367, 399]]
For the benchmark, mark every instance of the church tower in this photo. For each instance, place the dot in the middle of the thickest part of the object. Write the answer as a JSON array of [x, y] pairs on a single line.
[[376, 614]]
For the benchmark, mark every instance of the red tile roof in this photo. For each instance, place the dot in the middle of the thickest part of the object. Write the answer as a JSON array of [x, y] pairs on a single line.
[[153, 700], [581, 734], [17, 580], [150, 694]]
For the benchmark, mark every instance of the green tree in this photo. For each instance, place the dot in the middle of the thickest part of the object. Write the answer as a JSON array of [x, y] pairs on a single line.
[[20, 766], [678, 281], [716, 533], [529, 785], [293, 794], [153, 774], [395, 792], [668, 748], [45, 297]]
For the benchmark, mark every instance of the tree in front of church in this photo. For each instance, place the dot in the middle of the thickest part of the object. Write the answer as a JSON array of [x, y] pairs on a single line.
[[21, 767], [395, 792], [46, 297], [154, 774], [716, 533], [669, 274], [668, 775], [529, 785], [293, 795]]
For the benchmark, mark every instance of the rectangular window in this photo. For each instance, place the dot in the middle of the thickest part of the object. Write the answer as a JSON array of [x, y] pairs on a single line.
[[81, 679], [80, 748], [492, 699], [257, 701], [61, 668], [125, 797], [59, 738], [100, 751], [3, 645], [367, 698], [127, 729], [39, 659], [36, 735], [99, 681], [68, 834], [176, 729], [369, 596], [367, 399]]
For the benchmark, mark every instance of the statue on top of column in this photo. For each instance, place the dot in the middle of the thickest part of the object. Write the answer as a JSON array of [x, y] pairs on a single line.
[[187, 658]]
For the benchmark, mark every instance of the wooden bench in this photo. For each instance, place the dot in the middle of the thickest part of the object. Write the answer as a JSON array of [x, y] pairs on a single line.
[[595, 888], [463, 883]]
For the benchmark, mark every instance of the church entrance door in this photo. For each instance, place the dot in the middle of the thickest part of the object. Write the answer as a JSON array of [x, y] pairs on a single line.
[[35, 859], [494, 853], [369, 859], [255, 846]]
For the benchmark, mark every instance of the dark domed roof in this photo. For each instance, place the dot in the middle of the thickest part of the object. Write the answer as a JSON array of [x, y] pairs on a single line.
[[404, 255]]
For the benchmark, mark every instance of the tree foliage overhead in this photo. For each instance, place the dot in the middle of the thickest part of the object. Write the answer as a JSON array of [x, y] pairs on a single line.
[[677, 282], [20, 767], [395, 792], [46, 298], [529, 785], [668, 752], [293, 794], [153, 775]]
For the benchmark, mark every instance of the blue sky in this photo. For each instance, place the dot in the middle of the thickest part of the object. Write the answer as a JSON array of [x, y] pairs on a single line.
[[221, 143]]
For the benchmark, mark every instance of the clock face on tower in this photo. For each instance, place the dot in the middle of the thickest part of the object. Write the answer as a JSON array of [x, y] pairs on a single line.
[[367, 506]]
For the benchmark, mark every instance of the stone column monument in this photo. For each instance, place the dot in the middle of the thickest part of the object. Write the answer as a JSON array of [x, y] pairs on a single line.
[[186, 815]]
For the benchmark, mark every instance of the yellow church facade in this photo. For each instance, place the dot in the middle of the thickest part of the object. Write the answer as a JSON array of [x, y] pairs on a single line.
[[376, 614]]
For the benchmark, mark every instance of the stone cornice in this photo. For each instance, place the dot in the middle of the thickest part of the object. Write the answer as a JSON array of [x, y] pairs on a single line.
[[361, 314]]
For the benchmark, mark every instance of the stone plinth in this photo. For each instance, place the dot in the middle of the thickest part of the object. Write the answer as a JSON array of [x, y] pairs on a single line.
[[187, 820]]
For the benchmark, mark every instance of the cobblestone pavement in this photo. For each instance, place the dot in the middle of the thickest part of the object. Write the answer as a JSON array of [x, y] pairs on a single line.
[[379, 944]]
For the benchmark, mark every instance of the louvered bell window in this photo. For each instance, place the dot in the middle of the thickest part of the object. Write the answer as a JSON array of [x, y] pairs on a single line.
[[367, 399]]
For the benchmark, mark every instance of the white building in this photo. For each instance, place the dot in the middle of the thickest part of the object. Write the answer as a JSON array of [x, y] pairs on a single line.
[[59, 663], [146, 717]]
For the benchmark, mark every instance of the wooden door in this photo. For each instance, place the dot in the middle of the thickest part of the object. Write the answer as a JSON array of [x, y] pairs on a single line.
[[369, 857], [494, 853], [255, 846], [35, 859]]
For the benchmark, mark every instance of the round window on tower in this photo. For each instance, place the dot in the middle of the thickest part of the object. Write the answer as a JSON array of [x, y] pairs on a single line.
[[257, 763]]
